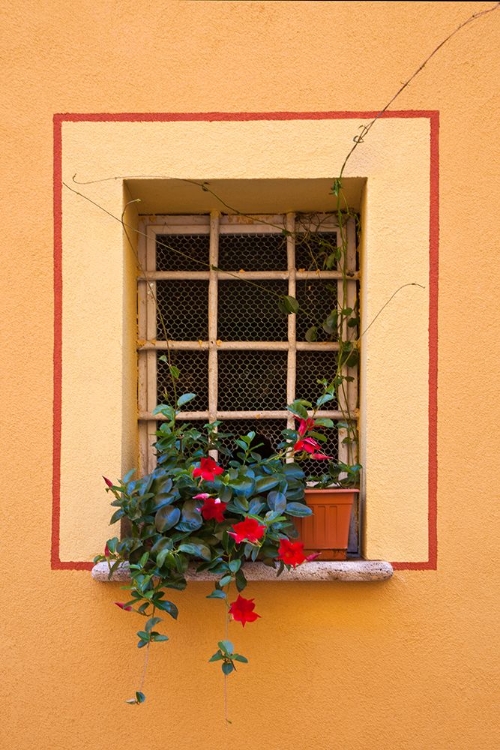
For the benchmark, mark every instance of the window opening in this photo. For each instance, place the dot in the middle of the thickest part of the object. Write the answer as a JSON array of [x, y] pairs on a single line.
[[233, 347]]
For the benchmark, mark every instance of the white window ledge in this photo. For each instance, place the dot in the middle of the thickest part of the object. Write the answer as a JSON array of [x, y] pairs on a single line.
[[349, 570]]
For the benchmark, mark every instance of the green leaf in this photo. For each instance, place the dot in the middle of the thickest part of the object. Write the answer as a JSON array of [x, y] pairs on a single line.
[[255, 507], [157, 637], [243, 486], [166, 606], [226, 647], [217, 594], [288, 304], [191, 517], [225, 494], [318, 436], [197, 550], [312, 334], [116, 516], [293, 471], [112, 543], [337, 186], [151, 623], [324, 422], [239, 657], [299, 409], [128, 476], [164, 498], [234, 565], [266, 483], [277, 502], [166, 518], [227, 667], [162, 555], [174, 371], [331, 323], [216, 657], [139, 698], [163, 485], [298, 509], [332, 260], [166, 410], [324, 399], [185, 399], [241, 581], [225, 580]]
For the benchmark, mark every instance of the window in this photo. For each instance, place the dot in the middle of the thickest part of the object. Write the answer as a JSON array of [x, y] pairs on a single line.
[[208, 296]]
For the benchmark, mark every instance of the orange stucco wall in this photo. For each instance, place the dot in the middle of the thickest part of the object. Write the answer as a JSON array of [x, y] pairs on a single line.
[[410, 663]]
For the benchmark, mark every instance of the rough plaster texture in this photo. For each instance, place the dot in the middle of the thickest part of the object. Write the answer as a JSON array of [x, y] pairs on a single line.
[[355, 570], [321, 657]]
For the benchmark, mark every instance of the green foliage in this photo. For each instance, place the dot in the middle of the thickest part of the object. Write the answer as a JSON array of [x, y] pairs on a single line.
[[189, 512], [227, 656], [192, 512]]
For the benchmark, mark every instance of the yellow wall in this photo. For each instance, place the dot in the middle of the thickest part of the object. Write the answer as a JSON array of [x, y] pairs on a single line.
[[411, 663]]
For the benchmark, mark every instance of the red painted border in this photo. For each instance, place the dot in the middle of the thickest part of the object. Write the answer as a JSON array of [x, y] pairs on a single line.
[[431, 115], [431, 563], [57, 399]]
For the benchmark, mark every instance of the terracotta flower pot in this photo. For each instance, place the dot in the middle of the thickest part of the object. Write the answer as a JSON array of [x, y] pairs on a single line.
[[327, 530]]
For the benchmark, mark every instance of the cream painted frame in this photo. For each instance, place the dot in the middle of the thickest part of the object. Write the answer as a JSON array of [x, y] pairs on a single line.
[[94, 352]]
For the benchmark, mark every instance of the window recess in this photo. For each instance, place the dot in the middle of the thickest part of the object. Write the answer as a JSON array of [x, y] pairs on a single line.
[[208, 296]]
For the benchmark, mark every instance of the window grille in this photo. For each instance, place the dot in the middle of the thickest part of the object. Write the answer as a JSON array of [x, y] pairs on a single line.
[[208, 293]]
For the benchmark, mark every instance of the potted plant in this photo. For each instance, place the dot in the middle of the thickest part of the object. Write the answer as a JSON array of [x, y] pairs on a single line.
[[193, 511], [329, 495]]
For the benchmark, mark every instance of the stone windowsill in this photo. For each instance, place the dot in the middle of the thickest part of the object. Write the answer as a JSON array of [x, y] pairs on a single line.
[[349, 570]]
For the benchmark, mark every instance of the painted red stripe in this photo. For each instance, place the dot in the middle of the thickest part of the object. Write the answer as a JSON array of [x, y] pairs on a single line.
[[57, 396], [232, 116], [433, 337]]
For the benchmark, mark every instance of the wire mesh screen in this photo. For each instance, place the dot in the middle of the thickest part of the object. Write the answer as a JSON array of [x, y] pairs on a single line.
[[248, 312], [268, 432], [317, 299], [252, 380], [182, 310], [315, 251], [252, 252], [182, 252], [311, 367], [193, 378]]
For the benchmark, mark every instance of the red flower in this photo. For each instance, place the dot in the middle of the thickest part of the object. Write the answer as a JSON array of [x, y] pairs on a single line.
[[248, 530], [291, 553], [208, 469], [242, 610], [311, 446], [108, 481], [122, 606], [213, 508], [305, 425]]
